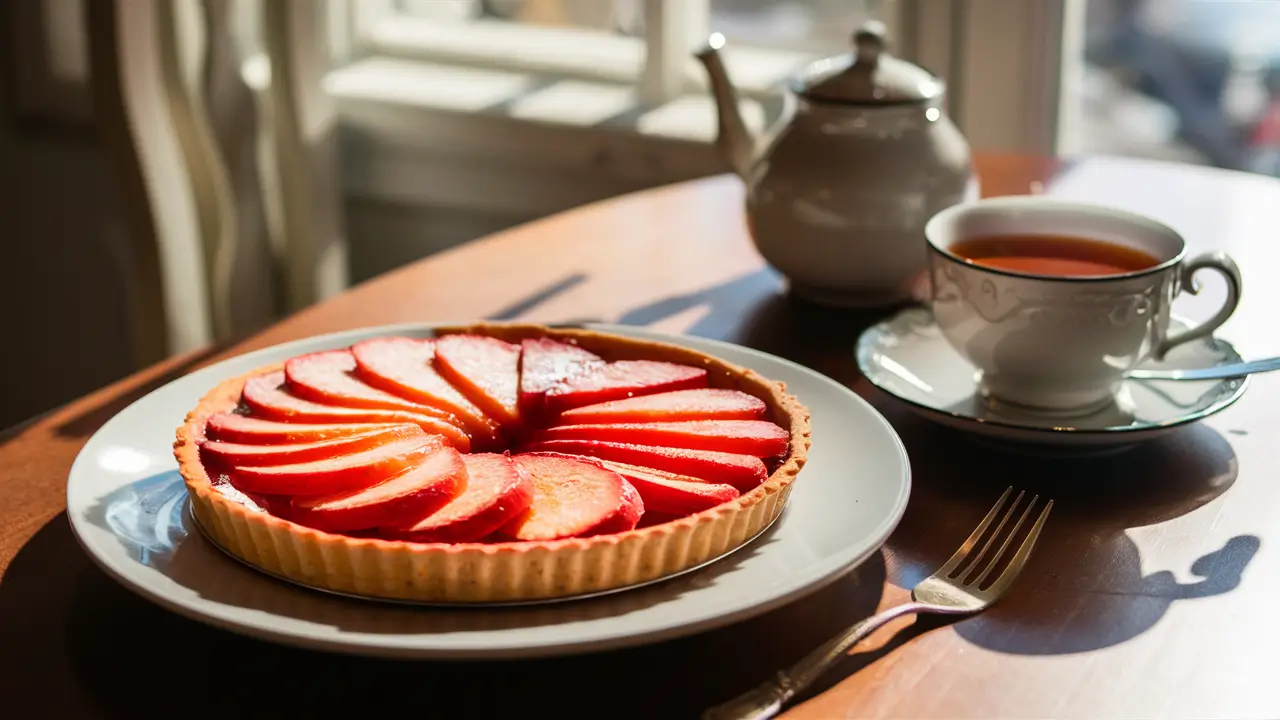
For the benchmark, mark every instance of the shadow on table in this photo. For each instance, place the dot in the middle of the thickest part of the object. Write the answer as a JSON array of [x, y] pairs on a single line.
[[518, 308], [756, 310], [36, 594], [74, 643], [1085, 588], [725, 304], [759, 311]]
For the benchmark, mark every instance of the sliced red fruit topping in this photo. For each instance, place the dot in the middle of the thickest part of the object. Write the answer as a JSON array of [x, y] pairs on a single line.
[[744, 472], [232, 454], [266, 396], [655, 518], [404, 366], [340, 474], [486, 370], [749, 437], [496, 492], [674, 494], [545, 364], [330, 378], [236, 428], [668, 493], [572, 498], [624, 379], [626, 518], [432, 482], [680, 405]]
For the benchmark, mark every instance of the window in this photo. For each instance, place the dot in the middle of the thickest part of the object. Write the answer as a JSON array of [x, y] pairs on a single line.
[[620, 16], [817, 26], [526, 107], [543, 104], [1182, 80], [633, 56], [1187, 80]]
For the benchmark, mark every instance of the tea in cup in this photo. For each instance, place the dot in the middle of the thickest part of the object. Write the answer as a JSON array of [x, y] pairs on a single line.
[[1055, 301]]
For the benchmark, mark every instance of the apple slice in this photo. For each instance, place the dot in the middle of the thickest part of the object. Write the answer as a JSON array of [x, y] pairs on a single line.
[[486, 370], [266, 396], [436, 479], [666, 493], [572, 498], [748, 437], [624, 379], [744, 472], [233, 454], [404, 366], [547, 363], [672, 494], [339, 474], [496, 492], [330, 378], [676, 406], [236, 428]]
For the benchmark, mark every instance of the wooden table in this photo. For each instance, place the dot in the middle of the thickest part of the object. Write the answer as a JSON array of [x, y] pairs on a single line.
[[1152, 593]]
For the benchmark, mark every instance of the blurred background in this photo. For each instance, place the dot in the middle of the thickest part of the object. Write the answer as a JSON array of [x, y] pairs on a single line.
[[180, 173]]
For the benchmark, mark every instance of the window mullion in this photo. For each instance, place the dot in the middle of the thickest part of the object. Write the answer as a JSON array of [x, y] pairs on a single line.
[[364, 15], [1003, 63], [671, 30]]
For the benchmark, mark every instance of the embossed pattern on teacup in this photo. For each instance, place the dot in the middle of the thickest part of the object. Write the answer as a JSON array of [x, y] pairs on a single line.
[[1064, 340], [998, 299]]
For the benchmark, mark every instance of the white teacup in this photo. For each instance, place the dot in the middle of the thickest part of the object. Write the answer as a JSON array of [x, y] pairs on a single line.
[[1062, 343]]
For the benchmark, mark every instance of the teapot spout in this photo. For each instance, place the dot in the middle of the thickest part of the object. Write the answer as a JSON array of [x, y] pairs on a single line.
[[734, 141]]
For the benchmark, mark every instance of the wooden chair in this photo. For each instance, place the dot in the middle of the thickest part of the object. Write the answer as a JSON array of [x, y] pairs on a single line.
[[231, 195]]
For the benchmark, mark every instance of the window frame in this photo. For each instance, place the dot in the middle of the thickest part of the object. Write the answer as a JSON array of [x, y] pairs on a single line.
[[990, 51], [1004, 64], [373, 28]]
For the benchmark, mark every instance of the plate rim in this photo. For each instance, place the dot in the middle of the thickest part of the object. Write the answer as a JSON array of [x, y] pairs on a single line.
[[1046, 432], [809, 582]]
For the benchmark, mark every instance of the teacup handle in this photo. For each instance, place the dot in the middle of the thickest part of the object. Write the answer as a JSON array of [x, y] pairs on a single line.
[[1208, 261]]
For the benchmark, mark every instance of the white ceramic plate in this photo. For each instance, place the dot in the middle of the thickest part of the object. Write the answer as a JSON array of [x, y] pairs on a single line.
[[907, 357], [126, 503]]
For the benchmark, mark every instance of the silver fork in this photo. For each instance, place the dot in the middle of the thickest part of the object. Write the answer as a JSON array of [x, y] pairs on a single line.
[[955, 589]]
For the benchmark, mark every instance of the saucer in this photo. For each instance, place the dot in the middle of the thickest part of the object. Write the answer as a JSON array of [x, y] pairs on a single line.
[[907, 357]]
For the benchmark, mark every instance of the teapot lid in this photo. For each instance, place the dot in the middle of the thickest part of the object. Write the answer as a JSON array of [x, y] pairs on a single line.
[[869, 75]]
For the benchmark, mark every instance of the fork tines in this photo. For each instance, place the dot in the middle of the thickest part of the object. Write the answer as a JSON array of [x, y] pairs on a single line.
[[973, 569]]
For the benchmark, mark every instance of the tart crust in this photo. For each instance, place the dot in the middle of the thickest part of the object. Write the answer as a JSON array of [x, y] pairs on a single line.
[[498, 572]]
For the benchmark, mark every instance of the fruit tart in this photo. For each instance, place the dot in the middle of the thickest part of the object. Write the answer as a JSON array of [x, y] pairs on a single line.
[[490, 463]]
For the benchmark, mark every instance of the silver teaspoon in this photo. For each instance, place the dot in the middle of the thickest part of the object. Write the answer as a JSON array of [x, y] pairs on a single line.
[[1210, 373]]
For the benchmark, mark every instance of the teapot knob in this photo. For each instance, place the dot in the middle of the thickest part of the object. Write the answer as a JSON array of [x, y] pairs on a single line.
[[870, 41]]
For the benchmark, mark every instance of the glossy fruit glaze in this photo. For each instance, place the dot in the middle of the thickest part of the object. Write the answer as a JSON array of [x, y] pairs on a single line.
[[469, 438]]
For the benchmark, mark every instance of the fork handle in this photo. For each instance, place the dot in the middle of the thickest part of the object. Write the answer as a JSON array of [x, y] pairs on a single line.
[[767, 698]]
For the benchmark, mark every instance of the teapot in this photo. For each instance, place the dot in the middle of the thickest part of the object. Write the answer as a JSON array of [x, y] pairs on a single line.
[[839, 189]]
